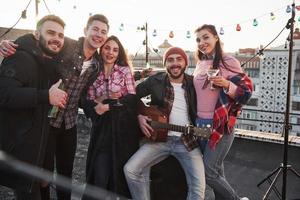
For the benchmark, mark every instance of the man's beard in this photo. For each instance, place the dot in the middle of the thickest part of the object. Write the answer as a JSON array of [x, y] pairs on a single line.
[[177, 76], [45, 49]]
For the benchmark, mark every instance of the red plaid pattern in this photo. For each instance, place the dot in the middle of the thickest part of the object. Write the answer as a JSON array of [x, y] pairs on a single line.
[[121, 79], [227, 108]]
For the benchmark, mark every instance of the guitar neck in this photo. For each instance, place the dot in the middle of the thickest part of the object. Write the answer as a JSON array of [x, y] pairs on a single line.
[[171, 127], [198, 132]]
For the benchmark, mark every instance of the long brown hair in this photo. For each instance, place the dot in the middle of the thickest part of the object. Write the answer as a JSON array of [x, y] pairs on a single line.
[[122, 59], [218, 48]]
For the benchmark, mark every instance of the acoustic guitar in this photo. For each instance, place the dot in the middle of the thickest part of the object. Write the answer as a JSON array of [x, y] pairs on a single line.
[[161, 126]]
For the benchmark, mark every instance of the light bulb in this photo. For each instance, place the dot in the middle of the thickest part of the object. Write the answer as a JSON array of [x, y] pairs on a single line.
[[272, 16], [154, 34], [171, 34], [23, 15], [255, 23], [238, 27], [221, 31], [121, 28], [288, 9], [188, 34]]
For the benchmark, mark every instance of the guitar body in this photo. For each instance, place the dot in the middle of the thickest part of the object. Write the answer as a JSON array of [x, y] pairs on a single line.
[[158, 135], [160, 125]]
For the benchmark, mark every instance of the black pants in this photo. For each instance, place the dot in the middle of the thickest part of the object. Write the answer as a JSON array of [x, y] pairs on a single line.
[[61, 147]]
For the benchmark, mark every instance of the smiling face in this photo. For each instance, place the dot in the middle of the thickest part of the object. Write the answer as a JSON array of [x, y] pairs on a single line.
[[176, 66], [110, 52], [206, 41], [96, 34], [51, 37]]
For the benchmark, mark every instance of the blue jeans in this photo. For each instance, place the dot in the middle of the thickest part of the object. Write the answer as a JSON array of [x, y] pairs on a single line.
[[137, 169], [214, 166]]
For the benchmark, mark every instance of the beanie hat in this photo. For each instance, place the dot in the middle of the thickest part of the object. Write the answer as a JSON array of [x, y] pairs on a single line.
[[175, 50]]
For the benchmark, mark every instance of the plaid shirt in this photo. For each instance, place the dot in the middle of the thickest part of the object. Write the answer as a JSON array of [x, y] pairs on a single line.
[[189, 141], [227, 108], [169, 96], [121, 79], [74, 83]]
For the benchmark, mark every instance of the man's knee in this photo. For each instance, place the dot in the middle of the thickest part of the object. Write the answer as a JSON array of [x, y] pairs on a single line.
[[129, 170]]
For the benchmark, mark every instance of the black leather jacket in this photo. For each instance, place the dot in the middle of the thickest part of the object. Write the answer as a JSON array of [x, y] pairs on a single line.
[[155, 86], [71, 58]]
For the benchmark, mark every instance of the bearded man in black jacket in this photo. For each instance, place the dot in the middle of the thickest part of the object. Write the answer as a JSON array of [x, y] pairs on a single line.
[[25, 97]]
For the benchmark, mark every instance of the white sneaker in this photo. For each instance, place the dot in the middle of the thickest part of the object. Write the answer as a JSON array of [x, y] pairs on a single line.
[[244, 198]]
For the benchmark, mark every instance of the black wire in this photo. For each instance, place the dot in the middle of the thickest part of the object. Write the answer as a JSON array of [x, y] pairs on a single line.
[[137, 53], [155, 51], [8, 30], [47, 7], [260, 52]]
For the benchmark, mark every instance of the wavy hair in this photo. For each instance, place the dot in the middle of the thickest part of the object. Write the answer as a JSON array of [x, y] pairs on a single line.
[[122, 59]]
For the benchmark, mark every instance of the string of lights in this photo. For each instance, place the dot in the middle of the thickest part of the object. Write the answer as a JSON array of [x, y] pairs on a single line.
[[23, 16], [238, 25]]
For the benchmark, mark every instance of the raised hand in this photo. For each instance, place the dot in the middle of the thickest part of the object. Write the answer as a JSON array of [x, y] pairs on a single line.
[[219, 81], [57, 97], [7, 48]]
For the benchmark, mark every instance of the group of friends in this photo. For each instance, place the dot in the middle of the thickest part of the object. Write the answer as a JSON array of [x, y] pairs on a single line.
[[45, 70]]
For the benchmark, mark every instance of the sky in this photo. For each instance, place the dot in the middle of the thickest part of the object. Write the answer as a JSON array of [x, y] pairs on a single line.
[[164, 16]]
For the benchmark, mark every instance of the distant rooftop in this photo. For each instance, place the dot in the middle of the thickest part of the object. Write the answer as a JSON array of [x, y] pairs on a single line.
[[165, 45], [13, 33]]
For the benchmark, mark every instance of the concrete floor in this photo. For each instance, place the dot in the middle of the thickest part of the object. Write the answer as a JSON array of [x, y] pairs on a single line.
[[247, 163]]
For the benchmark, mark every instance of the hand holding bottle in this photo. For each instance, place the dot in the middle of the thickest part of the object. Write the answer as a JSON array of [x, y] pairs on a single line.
[[57, 97]]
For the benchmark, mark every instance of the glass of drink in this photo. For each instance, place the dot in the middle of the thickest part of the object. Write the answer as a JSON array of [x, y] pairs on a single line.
[[115, 93], [211, 73]]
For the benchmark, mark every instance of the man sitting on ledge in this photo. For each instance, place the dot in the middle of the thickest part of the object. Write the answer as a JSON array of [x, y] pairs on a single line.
[[174, 92]]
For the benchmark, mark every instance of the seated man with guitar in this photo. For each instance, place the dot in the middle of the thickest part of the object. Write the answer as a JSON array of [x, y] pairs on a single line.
[[173, 94]]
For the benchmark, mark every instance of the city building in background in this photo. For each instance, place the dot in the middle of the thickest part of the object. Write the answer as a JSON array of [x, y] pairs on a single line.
[[268, 102]]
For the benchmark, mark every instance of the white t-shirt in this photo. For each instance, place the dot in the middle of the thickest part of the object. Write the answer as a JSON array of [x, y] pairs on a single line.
[[179, 112], [85, 66]]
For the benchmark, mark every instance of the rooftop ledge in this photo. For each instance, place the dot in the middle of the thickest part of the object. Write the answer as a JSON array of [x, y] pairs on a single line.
[[266, 137]]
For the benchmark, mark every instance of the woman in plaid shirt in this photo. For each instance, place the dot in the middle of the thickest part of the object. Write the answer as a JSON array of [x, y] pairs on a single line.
[[114, 136], [218, 105]]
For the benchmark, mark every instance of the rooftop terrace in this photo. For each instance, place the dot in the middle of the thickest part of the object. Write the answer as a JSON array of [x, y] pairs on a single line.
[[252, 157]]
